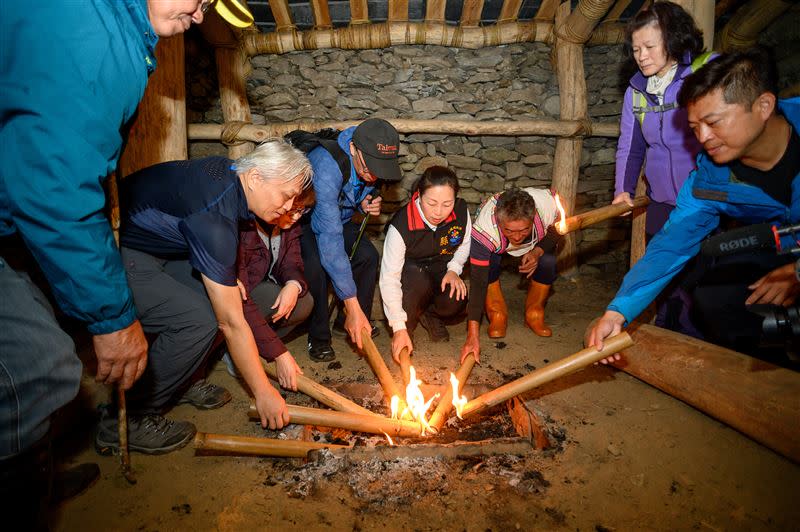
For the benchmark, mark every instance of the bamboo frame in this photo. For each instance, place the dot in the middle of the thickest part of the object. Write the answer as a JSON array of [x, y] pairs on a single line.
[[359, 14], [509, 12], [471, 11], [434, 10], [398, 11], [321, 14], [594, 216], [282, 15], [639, 224], [747, 22], [249, 446], [547, 10]]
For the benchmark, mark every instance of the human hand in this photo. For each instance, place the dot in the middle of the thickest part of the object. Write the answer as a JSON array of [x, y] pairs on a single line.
[[457, 286], [121, 355], [372, 206], [286, 301], [242, 289], [272, 409], [355, 321], [401, 339], [472, 344], [530, 261], [778, 287], [623, 197], [288, 370], [609, 325]]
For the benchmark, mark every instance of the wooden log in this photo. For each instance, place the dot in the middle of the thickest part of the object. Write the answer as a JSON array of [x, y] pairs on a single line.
[[459, 449], [249, 446], [302, 415], [384, 35], [702, 11], [445, 405], [544, 127], [588, 218], [398, 11], [324, 395], [321, 14], [375, 361], [358, 12], [744, 27], [509, 12], [639, 224], [550, 372], [754, 397], [405, 366], [471, 11], [232, 65]]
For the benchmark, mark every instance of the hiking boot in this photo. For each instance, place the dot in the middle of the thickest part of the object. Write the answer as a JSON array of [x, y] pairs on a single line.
[[147, 434], [321, 350], [339, 330], [205, 396], [437, 332]]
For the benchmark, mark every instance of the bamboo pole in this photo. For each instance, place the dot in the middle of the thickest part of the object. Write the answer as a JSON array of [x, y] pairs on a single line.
[[548, 373], [547, 10], [232, 66], [359, 13], [322, 16], [446, 402], [249, 446], [282, 15], [639, 224], [434, 10], [752, 396], [384, 35], [405, 366], [398, 11], [301, 415], [509, 12], [324, 395], [471, 11], [586, 219], [375, 361], [748, 22], [544, 127]]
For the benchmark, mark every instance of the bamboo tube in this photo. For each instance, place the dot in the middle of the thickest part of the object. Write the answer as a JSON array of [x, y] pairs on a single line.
[[375, 361], [446, 402], [555, 128], [548, 373], [585, 219], [405, 366], [302, 415], [324, 395], [249, 446]]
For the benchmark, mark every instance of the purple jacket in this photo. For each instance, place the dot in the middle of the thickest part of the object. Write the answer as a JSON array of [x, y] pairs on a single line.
[[665, 138]]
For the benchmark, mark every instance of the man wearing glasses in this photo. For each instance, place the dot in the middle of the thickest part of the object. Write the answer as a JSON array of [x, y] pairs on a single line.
[[329, 234]]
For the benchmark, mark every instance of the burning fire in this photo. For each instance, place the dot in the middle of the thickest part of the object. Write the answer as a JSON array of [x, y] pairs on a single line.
[[388, 438], [416, 405], [458, 400], [561, 226]]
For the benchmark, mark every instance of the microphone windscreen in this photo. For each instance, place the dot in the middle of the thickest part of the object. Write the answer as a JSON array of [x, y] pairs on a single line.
[[747, 238]]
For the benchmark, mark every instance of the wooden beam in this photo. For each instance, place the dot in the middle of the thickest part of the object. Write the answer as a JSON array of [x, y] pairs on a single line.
[[545, 127], [754, 397], [509, 12], [748, 22], [359, 13], [471, 11], [547, 10], [434, 10], [282, 15], [702, 11], [322, 17], [398, 11]]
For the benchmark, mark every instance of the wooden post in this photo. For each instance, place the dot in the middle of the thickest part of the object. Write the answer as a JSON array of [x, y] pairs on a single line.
[[159, 132], [754, 397], [702, 11], [547, 10], [509, 11], [639, 224], [446, 402], [358, 12], [302, 415], [471, 11], [323, 395], [232, 66], [398, 11], [550, 372], [249, 446], [321, 13], [375, 361], [747, 22], [589, 218], [434, 10]]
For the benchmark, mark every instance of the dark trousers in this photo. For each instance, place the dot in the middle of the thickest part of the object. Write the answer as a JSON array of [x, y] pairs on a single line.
[[422, 292], [365, 275], [719, 295], [545, 273], [172, 305]]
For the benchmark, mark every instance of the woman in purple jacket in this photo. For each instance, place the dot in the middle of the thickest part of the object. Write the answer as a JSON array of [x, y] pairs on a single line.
[[666, 46]]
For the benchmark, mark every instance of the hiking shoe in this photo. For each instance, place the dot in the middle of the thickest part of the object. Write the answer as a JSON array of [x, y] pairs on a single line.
[[147, 434], [205, 396], [321, 351], [339, 330], [437, 332]]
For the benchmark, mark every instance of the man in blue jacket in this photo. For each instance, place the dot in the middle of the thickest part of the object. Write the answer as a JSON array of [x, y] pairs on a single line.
[[63, 112], [372, 148], [749, 171]]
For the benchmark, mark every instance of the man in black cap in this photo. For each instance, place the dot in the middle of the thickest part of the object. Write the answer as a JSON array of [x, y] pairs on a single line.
[[329, 233]]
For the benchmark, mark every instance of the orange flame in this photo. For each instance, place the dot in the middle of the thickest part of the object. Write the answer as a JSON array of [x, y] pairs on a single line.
[[391, 443], [458, 400], [417, 406], [561, 226]]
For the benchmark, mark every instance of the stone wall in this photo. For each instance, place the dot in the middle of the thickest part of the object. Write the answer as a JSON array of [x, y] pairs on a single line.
[[513, 82]]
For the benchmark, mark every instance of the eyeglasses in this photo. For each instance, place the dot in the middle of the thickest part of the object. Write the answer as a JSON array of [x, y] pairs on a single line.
[[205, 5]]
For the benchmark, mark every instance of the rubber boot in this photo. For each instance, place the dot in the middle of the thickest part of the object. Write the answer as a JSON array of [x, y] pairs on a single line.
[[496, 311], [534, 308]]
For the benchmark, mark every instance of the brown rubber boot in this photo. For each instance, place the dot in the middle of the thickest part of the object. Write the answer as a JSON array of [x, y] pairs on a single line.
[[496, 311], [534, 308]]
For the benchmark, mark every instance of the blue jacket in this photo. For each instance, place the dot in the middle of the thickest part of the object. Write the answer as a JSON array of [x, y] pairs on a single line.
[[335, 206], [66, 98], [708, 193]]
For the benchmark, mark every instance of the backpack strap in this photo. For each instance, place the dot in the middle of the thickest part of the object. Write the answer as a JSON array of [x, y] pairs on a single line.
[[306, 141], [700, 61], [640, 106]]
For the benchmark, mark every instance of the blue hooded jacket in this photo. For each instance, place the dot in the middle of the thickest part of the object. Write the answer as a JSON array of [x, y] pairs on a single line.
[[708, 193], [65, 102]]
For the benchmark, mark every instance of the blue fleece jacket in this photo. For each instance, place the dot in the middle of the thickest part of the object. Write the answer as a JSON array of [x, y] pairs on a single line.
[[336, 205], [708, 193], [65, 101]]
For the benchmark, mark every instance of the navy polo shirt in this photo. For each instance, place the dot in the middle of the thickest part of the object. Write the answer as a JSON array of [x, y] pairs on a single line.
[[186, 209]]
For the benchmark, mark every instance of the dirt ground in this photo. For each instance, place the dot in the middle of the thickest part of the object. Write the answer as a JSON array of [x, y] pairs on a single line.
[[633, 458]]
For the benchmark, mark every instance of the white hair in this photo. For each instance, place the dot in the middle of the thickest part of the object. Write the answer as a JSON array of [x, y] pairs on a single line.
[[276, 159]]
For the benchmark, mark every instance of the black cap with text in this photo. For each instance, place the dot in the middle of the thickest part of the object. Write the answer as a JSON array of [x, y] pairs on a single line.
[[379, 142]]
